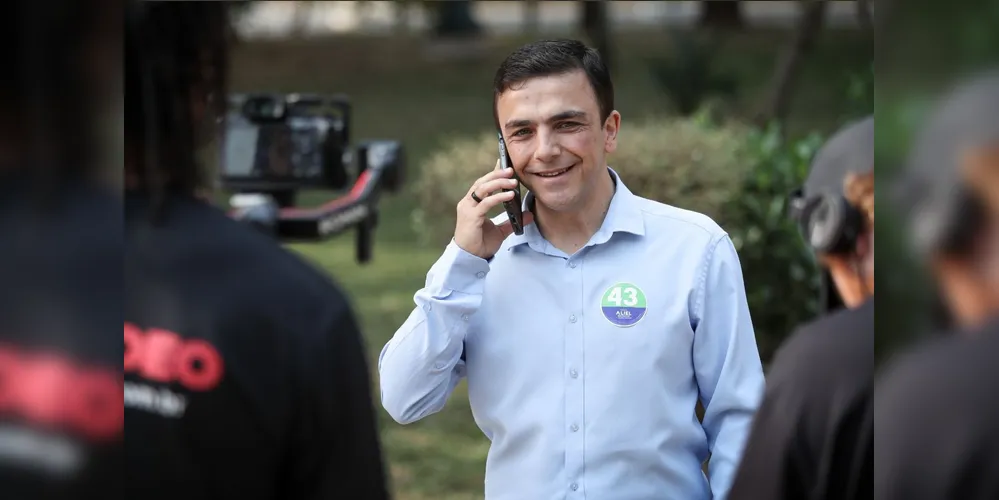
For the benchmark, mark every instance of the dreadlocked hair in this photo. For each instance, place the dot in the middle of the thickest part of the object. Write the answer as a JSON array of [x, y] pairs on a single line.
[[176, 63], [49, 99]]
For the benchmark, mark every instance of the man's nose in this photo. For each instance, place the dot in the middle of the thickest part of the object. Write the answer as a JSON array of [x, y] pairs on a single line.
[[548, 147]]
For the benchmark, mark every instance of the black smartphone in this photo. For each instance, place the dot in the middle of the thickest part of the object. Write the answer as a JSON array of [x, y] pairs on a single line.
[[514, 210]]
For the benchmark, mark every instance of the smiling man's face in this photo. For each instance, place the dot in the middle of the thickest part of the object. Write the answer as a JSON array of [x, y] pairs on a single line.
[[555, 138]]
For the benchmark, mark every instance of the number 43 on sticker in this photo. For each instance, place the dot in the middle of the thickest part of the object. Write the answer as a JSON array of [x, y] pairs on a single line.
[[623, 304]]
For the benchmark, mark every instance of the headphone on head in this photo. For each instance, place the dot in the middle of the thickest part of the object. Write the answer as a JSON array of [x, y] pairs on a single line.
[[829, 224], [827, 221]]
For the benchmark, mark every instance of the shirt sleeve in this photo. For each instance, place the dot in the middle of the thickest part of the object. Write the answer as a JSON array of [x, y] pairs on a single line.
[[336, 452], [726, 361], [422, 363]]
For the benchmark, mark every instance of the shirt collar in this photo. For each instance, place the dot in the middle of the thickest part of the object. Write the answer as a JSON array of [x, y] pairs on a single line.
[[623, 215]]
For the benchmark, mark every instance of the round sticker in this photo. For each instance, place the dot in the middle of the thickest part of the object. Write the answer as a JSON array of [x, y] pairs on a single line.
[[623, 304]]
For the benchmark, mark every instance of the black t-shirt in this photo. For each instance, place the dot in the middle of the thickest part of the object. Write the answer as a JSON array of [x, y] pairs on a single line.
[[812, 435], [937, 420], [61, 422], [245, 375]]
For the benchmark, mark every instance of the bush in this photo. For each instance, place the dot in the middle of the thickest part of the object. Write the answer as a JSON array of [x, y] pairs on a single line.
[[782, 279], [689, 163], [737, 175]]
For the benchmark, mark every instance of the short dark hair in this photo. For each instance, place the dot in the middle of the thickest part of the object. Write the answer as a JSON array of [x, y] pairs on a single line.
[[176, 55], [556, 57]]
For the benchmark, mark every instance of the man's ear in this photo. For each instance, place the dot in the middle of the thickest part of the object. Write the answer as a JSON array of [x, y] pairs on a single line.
[[611, 127]]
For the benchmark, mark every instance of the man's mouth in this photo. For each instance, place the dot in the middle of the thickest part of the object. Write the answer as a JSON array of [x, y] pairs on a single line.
[[554, 173]]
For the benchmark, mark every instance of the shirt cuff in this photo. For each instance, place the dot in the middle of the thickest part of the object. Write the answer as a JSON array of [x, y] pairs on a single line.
[[459, 271]]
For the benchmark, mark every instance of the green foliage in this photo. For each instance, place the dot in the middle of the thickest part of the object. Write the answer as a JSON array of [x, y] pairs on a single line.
[[942, 45], [689, 76], [860, 92], [687, 162], [782, 280]]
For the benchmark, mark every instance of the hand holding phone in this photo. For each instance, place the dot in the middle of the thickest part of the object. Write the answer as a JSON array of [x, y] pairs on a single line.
[[474, 231], [513, 207]]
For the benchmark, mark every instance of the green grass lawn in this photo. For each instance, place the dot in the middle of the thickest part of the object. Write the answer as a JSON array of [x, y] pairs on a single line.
[[397, 95]]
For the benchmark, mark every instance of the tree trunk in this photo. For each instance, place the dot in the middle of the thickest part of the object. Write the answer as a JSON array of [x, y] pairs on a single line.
[[595, 27], [400, 17], [454, 19], [300, 21], [721, 14], [789, 65], [531, 16], [864, 16]]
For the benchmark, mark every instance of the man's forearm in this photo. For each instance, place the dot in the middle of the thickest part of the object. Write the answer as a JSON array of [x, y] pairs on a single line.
[[730, 437], [421, 365], [727, 364]]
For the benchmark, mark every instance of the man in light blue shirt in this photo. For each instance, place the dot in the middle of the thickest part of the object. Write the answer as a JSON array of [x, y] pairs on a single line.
[[588, 340]]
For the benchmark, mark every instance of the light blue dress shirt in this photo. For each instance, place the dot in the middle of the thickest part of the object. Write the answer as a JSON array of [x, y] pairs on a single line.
[[584, 370]]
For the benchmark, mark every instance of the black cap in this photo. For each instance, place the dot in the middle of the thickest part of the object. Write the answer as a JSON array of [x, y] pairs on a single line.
[[849, 150], [930, 190]]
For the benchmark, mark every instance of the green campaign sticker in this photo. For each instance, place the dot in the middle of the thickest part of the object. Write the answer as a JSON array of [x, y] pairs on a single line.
[[623, 304]]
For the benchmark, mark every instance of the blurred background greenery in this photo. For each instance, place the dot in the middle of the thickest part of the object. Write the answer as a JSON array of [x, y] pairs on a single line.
[[723, 106], [924, 47]]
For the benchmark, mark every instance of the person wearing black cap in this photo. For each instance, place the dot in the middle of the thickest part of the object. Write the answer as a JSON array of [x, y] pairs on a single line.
[[812, 436], [937, 405], [245, 374]]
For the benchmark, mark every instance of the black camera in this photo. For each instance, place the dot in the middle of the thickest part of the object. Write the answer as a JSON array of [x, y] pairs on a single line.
[[279, 144]]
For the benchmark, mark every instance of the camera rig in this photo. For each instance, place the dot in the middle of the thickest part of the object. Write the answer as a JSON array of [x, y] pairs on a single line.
[[279, 144]]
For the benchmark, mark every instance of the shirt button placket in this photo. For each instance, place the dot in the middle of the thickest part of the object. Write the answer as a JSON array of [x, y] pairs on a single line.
[[574, 382]]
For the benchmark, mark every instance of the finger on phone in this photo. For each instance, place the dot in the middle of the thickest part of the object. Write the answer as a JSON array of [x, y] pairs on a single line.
[[481, 181], [492, 201], [498, 165], [488, 183], [496, 185]]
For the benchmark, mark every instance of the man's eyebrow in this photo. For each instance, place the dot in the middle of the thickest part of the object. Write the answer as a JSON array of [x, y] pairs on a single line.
[[564, 115]]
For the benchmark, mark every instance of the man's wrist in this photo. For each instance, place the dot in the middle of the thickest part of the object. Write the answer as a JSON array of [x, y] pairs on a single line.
[[460, 271]]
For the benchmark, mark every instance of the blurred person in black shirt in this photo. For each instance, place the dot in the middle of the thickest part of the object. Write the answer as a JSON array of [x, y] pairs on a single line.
[[61, 421], [812, 436], [937, 404], [245, 373]]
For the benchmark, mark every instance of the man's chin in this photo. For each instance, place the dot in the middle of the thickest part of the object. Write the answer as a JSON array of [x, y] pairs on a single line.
[[561, 201]]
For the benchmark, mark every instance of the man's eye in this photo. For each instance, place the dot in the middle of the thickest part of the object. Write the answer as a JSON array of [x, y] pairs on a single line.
[[565, 125], [522, 132]]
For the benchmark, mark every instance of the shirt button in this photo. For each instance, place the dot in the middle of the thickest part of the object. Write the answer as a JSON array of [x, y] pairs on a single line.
[[572, 264], [574, 427], [464, 317], [572, 318], [427, 307], [573, 486], [480, 274], [573, 373]]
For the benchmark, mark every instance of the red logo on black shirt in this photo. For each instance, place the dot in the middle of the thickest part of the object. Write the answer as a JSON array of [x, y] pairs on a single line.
[[163, 356], [49, 390]]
